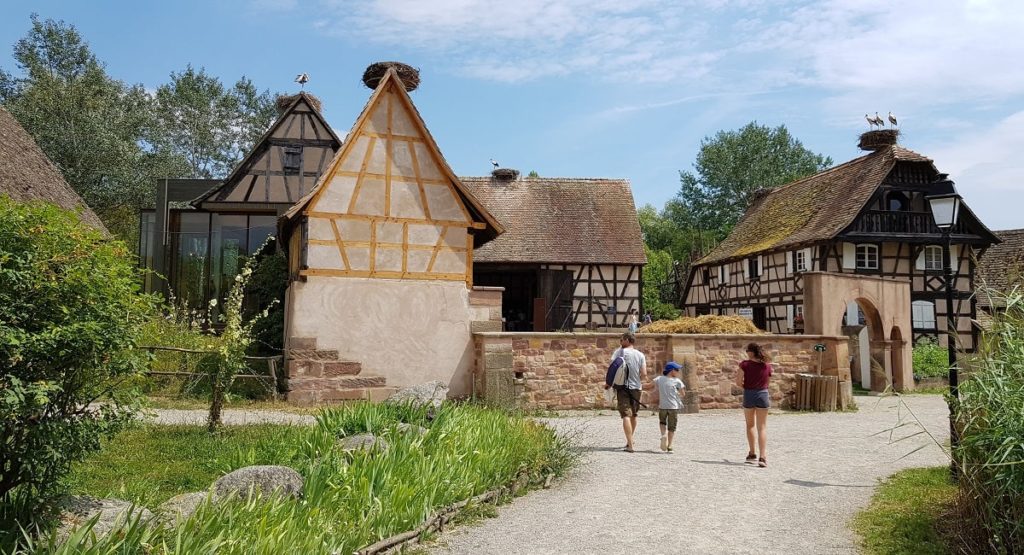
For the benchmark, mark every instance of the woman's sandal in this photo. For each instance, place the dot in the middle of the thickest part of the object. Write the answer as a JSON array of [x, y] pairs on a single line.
[[751, 458], [762, 463]]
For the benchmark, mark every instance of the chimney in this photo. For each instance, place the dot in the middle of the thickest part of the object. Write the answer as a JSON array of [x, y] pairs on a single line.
[[409, 75]]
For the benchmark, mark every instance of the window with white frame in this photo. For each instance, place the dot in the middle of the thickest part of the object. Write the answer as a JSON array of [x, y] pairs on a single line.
[[867, 257], [923, 315], [754, 267], [932, 257], [800, 260], [723, 273]]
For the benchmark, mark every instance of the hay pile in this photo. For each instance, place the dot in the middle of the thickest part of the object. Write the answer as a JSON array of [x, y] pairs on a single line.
[[409, 75], [708, 323]]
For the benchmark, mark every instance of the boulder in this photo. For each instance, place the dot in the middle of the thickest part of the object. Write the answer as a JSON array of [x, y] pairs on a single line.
[[405, 428], [363, 442], [113, 514], [431, 393], [260, 480], [180, 507]]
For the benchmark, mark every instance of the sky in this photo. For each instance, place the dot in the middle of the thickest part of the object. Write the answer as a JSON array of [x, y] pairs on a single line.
[[612, 88]]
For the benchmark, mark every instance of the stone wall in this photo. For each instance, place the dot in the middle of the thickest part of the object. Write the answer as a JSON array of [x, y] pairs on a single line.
[[566, 370]]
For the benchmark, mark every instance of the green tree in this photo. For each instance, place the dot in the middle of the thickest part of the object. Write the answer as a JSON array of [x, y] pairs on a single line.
[[70, 313], [87, 123], [207, 125], [659, 283], [732, 166]]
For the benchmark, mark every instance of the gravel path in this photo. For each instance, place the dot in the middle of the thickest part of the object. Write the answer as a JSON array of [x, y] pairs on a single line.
[[703, 499], [230, 417]]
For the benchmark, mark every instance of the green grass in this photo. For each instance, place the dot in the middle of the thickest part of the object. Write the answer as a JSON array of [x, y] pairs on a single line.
[[232, 402], [152, 463], [350, 499], [907, 513]]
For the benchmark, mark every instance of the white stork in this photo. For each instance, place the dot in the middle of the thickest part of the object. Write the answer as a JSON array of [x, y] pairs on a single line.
[[892, 119], [302, 79], [879, 121], [871, 121], [494, 163]]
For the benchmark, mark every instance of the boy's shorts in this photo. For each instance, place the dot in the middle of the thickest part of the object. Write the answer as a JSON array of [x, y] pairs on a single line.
[[668, 418], [627, 401]]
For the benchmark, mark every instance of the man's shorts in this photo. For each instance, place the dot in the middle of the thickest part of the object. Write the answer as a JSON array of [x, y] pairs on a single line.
[[668, 418], [627, 401]]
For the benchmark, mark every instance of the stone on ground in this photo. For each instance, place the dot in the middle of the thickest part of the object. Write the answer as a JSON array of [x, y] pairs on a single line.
[[180, 507], [406, 428], [113, 514], [363, 442], [261, 481], [430, 393]]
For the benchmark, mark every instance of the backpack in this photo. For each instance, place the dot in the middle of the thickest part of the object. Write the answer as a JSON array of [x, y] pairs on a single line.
[[618, 373]]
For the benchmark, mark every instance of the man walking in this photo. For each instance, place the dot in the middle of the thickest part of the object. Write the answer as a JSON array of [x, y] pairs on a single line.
[[627, 395]]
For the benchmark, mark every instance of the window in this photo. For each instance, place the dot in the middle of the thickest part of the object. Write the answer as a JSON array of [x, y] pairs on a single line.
[[898, 202], [754, 268], [723, 273], [292, 161], [932, 257], [867, 257], [705, 274], [923, 315], [800, 260]]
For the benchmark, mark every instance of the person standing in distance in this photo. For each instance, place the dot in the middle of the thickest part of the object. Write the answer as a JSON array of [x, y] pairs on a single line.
[[753, 377], [627, 396]]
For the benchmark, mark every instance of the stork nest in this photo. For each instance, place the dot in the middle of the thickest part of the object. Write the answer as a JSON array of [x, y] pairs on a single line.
[[505, 174], [879, 138], [285, 100], [409, 75]]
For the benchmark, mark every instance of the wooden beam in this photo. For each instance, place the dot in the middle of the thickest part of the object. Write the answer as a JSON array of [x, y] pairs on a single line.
[[419, 179], [387, 219], [425, 276], [361, 175], [401, 178], [341, 245], [388, 157]]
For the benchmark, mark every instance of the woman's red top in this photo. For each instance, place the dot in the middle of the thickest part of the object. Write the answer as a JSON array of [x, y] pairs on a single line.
[[755, 374]]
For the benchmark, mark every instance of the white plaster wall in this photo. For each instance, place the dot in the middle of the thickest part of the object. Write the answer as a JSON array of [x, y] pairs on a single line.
[[409, 331]]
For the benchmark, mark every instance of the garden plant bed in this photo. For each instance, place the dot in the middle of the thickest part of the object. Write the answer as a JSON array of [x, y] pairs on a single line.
[[908, 512], [351, 499]]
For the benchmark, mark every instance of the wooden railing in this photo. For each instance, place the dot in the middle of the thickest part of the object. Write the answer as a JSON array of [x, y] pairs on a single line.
[[269, 380], [883, 221]]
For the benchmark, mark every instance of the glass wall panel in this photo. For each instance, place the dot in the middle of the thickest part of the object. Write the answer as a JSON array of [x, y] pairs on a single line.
[[230, 249], [191, 265], [260, 227]]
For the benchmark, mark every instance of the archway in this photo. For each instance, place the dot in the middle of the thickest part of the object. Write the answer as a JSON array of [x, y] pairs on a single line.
[[885, 306]]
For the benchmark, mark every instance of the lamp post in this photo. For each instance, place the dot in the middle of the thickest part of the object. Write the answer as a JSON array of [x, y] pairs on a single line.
[[946, 210]]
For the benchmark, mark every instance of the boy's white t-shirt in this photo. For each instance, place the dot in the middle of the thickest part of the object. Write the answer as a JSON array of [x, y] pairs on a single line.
[[668, 392]]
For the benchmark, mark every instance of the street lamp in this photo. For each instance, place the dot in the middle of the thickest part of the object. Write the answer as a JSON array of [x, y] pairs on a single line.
[[946, 210]]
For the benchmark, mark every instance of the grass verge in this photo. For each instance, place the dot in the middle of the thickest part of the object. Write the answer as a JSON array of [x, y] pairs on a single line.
[[351, 499], [907, 512]]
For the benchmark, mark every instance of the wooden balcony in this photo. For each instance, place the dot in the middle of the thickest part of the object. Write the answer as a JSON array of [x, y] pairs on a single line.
[[885, 222]]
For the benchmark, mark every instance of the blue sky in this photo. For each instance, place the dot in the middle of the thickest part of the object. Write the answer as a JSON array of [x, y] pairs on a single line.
[[606, 88]]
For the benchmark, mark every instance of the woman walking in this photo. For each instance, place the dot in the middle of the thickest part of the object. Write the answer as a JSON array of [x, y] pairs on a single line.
[[633, 321], [753, 377]]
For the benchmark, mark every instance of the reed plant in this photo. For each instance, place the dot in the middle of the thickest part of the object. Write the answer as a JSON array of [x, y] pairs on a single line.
[[990, 416], [352, 498]]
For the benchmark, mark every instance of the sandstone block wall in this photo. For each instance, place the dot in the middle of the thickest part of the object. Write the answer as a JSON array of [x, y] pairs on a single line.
[[566, 370]]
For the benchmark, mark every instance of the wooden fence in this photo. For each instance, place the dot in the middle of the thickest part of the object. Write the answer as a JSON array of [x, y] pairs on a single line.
[[270, 379]]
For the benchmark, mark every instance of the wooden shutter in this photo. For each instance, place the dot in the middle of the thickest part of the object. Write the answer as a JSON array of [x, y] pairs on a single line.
[[919, 264], [849, 256], [789, 262], [789, 317]]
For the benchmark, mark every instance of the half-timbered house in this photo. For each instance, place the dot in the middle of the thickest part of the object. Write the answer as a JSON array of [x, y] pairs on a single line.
[[999, 271], [866, 217], [201, 230], [572, 255]]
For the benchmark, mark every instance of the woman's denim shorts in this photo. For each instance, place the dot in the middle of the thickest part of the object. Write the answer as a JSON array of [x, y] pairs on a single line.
[[756, 399]]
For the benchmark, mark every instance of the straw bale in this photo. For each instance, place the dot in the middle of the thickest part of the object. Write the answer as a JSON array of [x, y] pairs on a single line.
[[706, 324]]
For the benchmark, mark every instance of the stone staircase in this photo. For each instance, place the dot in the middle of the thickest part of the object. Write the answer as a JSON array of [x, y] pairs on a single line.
[[319, 376]]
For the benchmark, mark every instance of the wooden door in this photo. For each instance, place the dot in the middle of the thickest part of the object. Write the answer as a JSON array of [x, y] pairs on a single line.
[[555, 287]]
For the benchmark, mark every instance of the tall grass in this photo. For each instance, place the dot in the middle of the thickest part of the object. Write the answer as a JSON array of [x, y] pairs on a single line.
[[352, 499], [991, 419]]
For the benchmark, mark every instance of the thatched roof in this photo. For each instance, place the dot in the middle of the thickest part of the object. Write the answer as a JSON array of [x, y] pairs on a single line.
[[26, 174], [560, 220], [811, 209], [1002, 265]]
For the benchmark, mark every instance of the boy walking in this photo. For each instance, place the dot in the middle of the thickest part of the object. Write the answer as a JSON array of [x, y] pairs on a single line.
[[669, 403]]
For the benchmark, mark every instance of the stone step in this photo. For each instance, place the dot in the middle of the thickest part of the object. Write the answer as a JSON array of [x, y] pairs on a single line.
[[339, 382], [312, 354], [311, 395], [299, 368]]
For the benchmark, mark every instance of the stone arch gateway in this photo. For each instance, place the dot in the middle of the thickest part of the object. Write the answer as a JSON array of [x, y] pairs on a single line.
[[886, 306]]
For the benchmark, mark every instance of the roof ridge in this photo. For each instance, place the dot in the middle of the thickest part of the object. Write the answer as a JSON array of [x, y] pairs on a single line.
[[521, 178], [826, 171]]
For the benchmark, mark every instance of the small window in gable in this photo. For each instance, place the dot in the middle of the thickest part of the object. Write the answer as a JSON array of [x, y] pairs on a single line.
[[754, 268], [932, 257], [867, 257], [705, 274], [292, 160]]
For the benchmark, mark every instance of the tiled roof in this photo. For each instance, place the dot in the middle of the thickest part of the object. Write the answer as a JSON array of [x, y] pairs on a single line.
[[810, 209], [1002, 265], [26, 174], [560, 220]]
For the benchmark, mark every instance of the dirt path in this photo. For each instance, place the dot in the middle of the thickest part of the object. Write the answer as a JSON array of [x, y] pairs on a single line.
[[230, 417], [703, 499]]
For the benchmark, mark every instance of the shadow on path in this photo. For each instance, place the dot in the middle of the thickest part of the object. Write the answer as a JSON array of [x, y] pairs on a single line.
[[808, 484], [723, 462]]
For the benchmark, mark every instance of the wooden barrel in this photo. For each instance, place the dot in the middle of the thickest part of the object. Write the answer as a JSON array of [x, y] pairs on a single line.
[[818, 393]]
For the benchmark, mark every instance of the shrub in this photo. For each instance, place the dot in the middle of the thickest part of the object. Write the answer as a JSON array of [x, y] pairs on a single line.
[[930, 360], [990, 415], [69, 315]]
